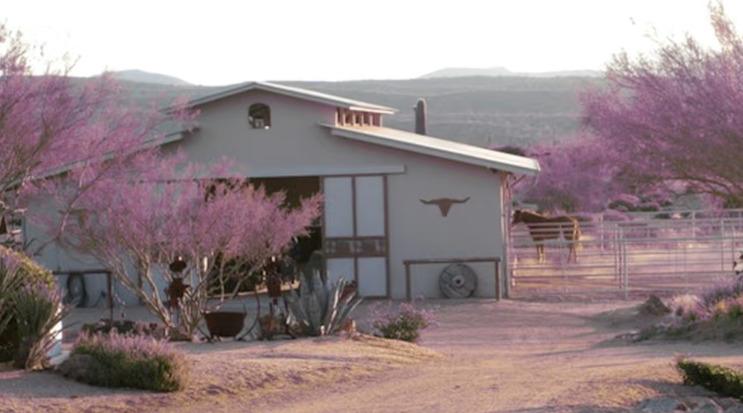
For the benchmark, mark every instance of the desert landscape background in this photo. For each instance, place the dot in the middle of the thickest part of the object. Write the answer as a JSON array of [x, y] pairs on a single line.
[[501, 108]]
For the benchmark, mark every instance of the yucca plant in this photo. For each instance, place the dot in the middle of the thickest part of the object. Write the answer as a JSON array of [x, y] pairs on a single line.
[[16, 270], [321, 308], [38, 309], [10, 281]]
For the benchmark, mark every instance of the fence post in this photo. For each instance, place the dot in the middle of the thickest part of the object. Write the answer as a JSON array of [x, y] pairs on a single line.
[[618, 256], [722, 246], [623, 264], [732, 243], [626, 272]]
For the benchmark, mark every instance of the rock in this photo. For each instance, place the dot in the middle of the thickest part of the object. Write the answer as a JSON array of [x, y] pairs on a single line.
[[702, 405], [75, 366], [660, 405], [738, 408], [654, 307], [728, 402], [689, 405]]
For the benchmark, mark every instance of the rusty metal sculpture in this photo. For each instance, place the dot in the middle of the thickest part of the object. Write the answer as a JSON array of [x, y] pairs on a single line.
[[445, 204], [276, 321], [272, 274], [176, 289]]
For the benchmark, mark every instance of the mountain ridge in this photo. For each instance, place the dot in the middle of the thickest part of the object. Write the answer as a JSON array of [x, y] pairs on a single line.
[[502, 71], [141, 76], [484, 111]]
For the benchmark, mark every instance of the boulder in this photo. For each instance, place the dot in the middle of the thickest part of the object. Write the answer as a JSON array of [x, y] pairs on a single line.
[[661, 405], [654, 307], [702, 405]]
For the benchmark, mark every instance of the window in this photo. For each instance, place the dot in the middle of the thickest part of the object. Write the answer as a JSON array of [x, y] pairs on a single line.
[[259, 116]]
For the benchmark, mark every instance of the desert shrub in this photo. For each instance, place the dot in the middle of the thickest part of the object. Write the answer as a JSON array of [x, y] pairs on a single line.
[[717, 314], [722, 380], [687, 307], [722, 300], [721, 293], [23, 271], [404, 323], [37, 309], [137, 361]]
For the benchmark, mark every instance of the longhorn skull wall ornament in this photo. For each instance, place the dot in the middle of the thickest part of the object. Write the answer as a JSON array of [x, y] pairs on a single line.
[[445, 204]]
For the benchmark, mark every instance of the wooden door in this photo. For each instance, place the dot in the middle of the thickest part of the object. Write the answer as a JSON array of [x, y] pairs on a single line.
[[355, 232]]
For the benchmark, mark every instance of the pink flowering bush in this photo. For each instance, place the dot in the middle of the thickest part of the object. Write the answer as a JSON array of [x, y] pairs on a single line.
[[403, 323], [115, 360]]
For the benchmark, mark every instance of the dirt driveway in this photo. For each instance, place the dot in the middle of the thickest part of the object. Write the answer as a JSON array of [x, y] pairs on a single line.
[[508, 356], [516, 356]]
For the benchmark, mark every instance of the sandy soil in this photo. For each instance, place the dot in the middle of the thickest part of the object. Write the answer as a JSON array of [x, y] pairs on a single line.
[[486, 356]]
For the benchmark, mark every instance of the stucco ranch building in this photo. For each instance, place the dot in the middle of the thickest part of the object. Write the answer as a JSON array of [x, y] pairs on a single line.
[[399, 207]]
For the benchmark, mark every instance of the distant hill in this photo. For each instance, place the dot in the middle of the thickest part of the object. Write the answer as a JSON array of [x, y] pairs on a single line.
[[502, 71], [482, 111], [147, 77]]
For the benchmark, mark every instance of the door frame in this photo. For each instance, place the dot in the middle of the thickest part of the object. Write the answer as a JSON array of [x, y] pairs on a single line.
[[356, 246]]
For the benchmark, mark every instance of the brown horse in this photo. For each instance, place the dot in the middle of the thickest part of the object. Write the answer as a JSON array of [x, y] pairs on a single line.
[[542, 228]]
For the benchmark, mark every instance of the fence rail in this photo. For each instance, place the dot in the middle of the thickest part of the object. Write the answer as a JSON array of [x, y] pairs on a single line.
[[646, 254]]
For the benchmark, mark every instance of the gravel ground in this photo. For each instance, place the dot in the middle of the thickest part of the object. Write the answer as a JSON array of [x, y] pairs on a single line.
[[486, 356]]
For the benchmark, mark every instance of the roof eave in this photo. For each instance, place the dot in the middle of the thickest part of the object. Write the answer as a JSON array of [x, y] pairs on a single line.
[[385, 111], [532, 170], [267, 87]]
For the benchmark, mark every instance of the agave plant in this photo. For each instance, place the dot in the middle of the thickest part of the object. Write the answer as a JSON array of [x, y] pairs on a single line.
[[320, 308]]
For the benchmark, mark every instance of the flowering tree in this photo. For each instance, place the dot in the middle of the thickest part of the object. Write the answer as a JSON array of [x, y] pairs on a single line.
[[573, 177], [677, 116], [96, 157], [50, 124], [137, 223], [579, 175]]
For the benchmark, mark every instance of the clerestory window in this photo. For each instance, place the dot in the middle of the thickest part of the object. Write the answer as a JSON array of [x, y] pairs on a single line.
[[259, 116]]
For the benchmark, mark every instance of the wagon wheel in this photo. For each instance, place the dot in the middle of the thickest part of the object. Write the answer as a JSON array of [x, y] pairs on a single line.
[[458, 281]]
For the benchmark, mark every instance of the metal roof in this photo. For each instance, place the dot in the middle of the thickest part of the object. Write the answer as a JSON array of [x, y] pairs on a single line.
[[294, 92], [439, 148]]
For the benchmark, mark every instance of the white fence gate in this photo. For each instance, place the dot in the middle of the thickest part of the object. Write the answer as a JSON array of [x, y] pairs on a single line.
[[652, 253]]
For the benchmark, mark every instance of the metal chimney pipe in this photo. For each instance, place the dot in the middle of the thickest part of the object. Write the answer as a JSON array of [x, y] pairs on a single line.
[[421, 123]]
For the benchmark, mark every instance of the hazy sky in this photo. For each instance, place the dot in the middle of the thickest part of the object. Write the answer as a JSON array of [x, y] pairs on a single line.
[[217, 42]]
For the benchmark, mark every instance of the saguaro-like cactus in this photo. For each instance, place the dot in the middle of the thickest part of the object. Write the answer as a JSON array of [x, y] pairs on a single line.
[[421, 114]]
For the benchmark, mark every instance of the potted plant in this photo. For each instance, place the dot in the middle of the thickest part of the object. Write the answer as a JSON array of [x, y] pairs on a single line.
[[224, 323]]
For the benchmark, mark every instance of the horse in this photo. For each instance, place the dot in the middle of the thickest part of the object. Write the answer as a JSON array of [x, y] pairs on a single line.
[[542, 228]]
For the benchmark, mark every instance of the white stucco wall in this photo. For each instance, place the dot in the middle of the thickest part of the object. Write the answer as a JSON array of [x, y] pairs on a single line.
[[419, 231], [295, 145], [60, 260]]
